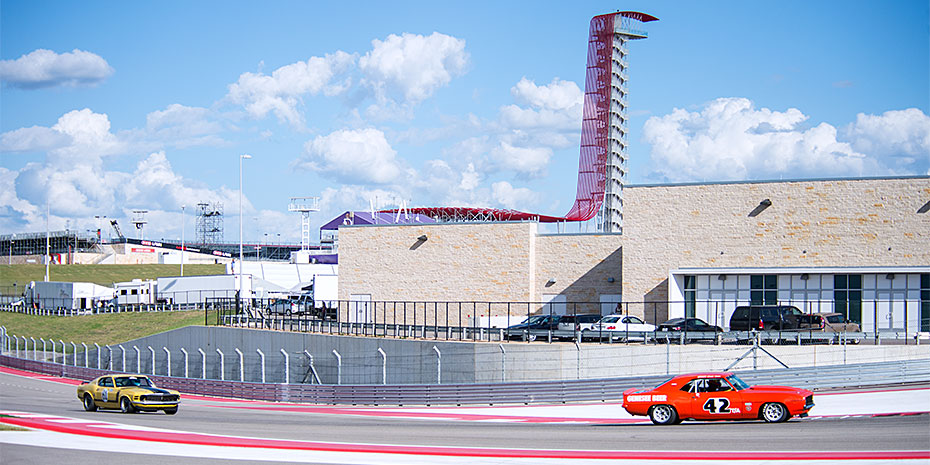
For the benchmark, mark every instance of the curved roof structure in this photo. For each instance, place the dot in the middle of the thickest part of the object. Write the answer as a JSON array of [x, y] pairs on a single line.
[[595, 124]]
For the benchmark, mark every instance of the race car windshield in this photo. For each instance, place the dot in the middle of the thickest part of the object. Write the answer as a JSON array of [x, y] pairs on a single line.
[[737, 383], [133, 381]]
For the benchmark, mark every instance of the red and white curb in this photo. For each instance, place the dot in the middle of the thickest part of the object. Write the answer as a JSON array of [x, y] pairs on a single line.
[[87, 434]]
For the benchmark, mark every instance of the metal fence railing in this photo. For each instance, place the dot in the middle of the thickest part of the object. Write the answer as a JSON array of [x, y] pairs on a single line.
[[605, 390], [496, 321]]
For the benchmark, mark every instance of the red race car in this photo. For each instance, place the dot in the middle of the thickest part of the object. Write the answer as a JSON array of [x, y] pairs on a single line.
[[716, 396]]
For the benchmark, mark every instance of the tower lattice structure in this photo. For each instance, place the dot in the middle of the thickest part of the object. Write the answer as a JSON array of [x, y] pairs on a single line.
[[210, 223]]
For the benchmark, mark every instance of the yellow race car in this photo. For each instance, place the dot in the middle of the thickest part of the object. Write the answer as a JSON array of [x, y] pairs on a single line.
[[128, 393]]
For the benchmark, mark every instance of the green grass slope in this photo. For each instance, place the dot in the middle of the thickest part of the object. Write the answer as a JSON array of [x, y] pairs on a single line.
[[104, 275], [104, 328]]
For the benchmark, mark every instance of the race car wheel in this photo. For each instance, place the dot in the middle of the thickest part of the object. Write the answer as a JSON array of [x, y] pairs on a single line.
[[171, 411], [89, 404], [126, 406], [774, 412], [663, 415]]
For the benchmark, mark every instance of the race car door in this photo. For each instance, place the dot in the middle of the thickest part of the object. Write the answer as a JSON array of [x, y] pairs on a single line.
[[105, 393], [715, 399]]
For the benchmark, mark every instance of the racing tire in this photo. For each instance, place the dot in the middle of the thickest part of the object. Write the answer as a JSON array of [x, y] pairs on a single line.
[[774, 412], [89, 404], [171, 411], [125, 405], [663, 414]]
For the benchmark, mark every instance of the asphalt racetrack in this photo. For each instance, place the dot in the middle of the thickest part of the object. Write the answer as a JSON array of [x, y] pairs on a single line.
[[890, 425]]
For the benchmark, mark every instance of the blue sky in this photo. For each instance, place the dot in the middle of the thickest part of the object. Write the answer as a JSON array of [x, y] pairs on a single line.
[[109, 107]]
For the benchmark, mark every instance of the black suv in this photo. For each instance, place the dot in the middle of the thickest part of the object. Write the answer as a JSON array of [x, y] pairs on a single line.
[[767, 318]]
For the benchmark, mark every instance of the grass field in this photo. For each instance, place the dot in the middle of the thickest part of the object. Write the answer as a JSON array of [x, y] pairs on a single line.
[[105, 275], [105, 328]]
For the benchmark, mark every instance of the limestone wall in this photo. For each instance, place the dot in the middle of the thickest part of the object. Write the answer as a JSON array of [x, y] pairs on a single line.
[[848, 223]]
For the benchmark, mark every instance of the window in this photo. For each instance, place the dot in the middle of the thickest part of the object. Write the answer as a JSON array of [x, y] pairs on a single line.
[[847, 296], [925, 302], [763, 289], [690, 295]]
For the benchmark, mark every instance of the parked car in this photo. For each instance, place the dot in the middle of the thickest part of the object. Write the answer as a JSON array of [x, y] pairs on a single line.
[[533, 324], [129, 393], [622, 327], [832, 322], [716, 396], [578, 322], [768, 318], [689, 325]]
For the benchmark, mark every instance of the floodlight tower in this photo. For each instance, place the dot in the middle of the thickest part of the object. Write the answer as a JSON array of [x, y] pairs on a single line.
[[623, 27], [304, 205], [138, 219]]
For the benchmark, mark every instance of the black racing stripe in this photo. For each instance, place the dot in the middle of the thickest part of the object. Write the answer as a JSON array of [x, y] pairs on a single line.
[[155, 390]]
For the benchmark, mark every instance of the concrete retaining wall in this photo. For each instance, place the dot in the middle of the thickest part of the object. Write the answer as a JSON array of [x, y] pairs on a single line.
[[416, 362]]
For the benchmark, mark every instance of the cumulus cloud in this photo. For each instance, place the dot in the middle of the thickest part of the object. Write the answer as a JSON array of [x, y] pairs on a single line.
[[557, 95], [33, 139], [411, 67], [901, 135], [44, 68], [555, 106], [282, 91], [731, 139], [77, 183], [155, 185], [513, 197], [525, 161], [183, 126], [353, 156], [90, 135]]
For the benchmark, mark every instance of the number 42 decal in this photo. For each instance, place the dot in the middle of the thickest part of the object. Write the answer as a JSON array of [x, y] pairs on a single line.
[[717, 405]]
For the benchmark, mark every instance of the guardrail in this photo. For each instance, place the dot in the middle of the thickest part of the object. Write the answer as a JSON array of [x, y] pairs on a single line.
[[542, 392]]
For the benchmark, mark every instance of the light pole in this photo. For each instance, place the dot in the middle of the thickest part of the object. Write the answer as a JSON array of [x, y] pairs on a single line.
[[182, 238], [13, 238], [48, 250], [241, 157]]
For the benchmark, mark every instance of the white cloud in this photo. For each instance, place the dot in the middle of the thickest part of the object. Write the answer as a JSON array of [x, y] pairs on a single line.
[[45, 68], [183, 126], [525, 161], [412, 67], [513, 198], [352, 156], [901, 135], [555, 106], [77, 184], [282, 91], [730, 139], [557, 95], [33, 139], [90, 135]]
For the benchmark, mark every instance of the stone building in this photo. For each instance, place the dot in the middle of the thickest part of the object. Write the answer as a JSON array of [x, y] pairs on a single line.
[[858, 246]]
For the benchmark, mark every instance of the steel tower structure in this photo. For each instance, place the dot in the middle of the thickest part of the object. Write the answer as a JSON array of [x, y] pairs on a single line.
[[304, 206], [602, 161], [210, 223], [623, 27]]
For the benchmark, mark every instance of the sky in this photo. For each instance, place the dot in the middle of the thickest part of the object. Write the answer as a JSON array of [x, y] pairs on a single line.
[[109, 107]]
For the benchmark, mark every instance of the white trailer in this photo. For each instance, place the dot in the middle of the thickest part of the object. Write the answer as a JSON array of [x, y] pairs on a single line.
[[136, 292], [64, 295], [200, 289]]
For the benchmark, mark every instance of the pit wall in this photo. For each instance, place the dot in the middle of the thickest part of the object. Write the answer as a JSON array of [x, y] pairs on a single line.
[[417, 362]]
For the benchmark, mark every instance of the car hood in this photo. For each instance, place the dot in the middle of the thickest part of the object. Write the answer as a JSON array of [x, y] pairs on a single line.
[[763, 389], [148, 390]]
